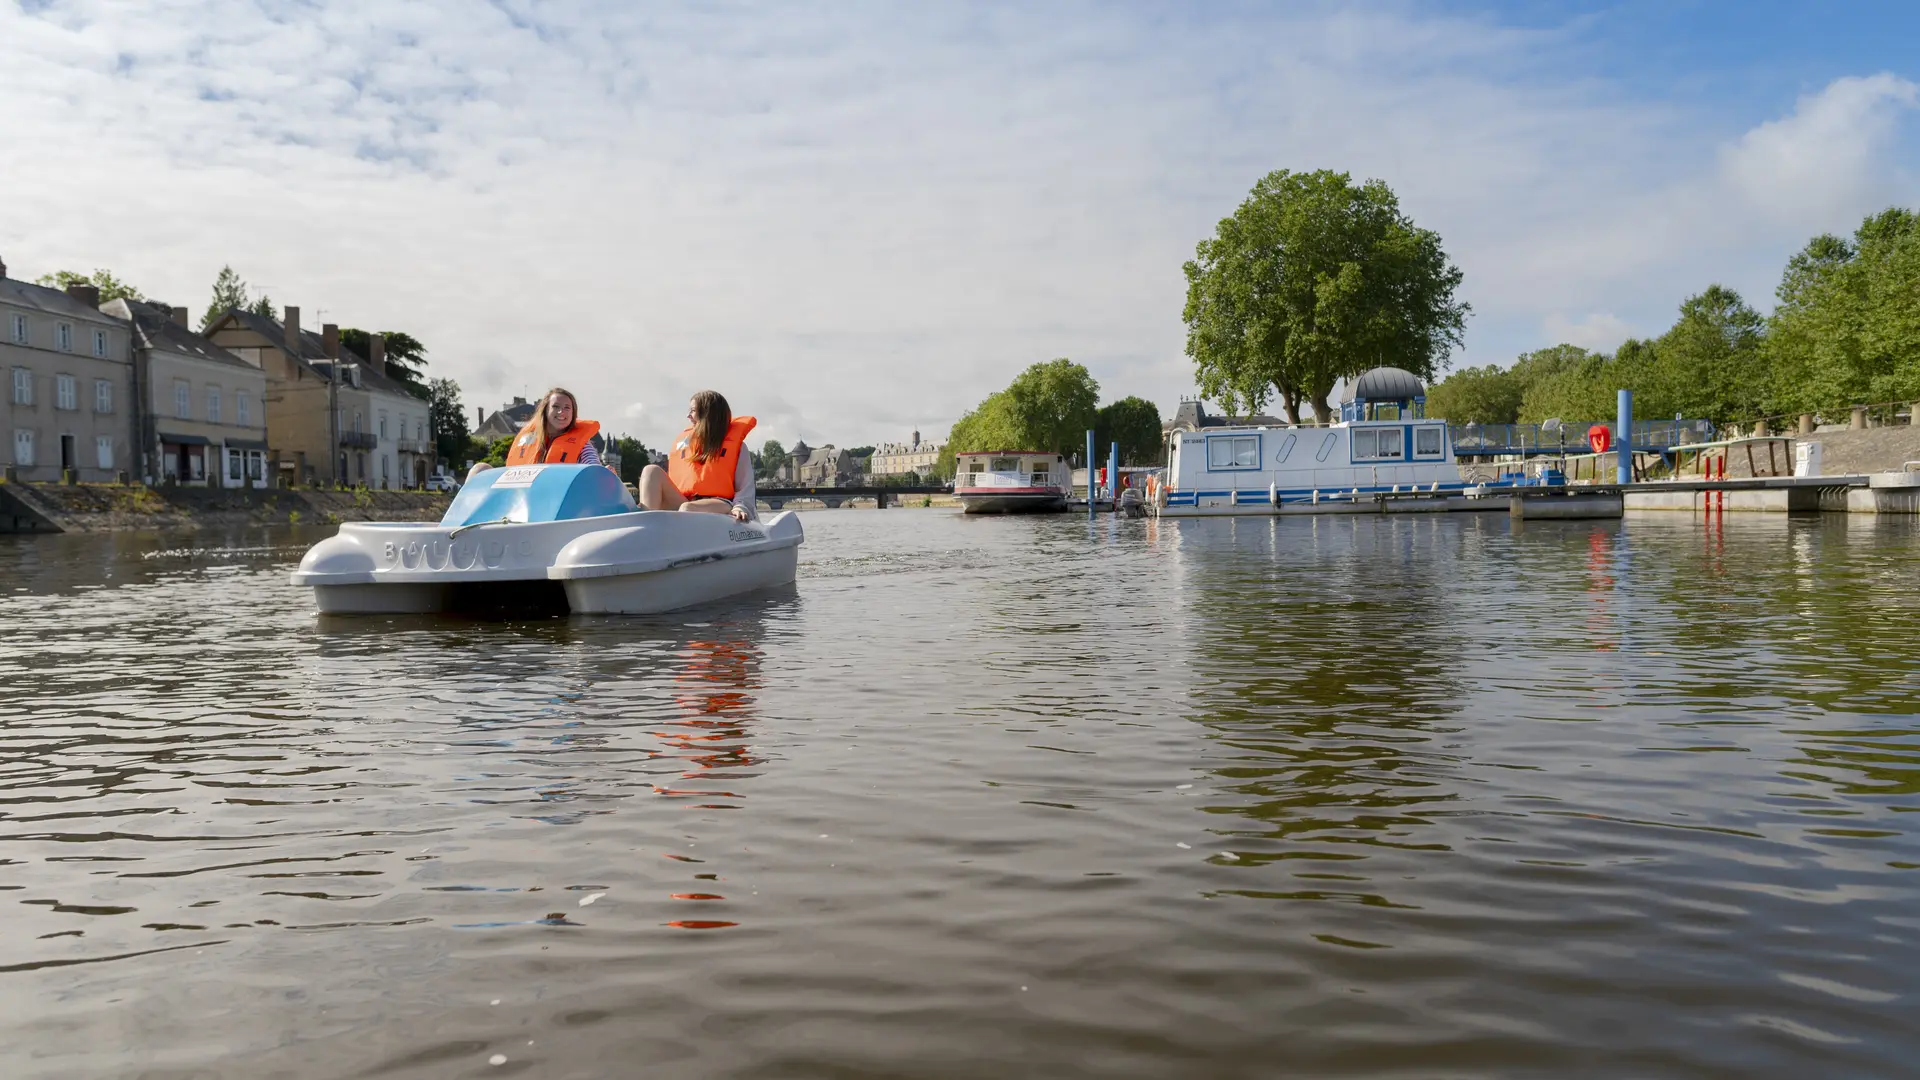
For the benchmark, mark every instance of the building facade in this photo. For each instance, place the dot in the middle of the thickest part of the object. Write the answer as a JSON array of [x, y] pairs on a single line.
[[70, 402], [332, 416], [900, 459], [203, 411]]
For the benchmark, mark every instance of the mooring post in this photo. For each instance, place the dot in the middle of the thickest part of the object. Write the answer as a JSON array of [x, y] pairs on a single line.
[[1089, 472], [1113, 474], [1625, 422]]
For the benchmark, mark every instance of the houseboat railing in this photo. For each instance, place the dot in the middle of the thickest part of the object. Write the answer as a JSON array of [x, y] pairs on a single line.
[[1651, 436]]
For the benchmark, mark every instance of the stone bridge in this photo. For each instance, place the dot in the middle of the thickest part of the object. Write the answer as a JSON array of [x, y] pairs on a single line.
[[836, 497]]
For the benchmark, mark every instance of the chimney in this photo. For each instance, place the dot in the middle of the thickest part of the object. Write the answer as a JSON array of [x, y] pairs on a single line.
[[292, 326], [3, 268], [480, 411], [179, 317], [377, 352], [330, 340], [86, 294]]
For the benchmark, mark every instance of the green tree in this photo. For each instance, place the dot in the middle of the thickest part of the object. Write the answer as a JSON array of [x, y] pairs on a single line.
[[229, 294], [1134, 423], [1051, 406], [1847, 327], [772, 457], [447, 418], [497, 451], [111, 288], [1477, 395], [1312, 280], [634, 458], [987, 426], [406, 358], [1710, 364]]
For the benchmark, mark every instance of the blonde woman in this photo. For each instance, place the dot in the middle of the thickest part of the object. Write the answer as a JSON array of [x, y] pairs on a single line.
[[553, 435]]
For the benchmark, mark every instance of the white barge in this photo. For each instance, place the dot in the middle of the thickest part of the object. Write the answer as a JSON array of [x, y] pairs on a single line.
[[554, 537], [1383, 456], [1012, 482]]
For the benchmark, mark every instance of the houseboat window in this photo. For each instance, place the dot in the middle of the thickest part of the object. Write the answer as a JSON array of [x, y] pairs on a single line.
[[1426, 441], [1326, 446], [976, 466], [1387, 411], [1286, 447], [1039, 473], [1005, 464], [1233, 452], [1364, 443], [1389, 443]]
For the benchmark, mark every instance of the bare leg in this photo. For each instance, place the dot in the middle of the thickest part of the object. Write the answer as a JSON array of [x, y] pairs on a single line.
[[707, 506], [656, 492]]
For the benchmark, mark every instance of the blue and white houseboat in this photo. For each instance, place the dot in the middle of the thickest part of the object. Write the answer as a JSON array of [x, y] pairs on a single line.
[[1383, 456]]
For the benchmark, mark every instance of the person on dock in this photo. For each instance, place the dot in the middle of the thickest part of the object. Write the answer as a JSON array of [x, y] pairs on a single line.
[[553, 435], [708, 470]]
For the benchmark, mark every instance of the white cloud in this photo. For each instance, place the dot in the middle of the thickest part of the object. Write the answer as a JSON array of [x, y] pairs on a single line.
[[851, 222], [1601, 331]]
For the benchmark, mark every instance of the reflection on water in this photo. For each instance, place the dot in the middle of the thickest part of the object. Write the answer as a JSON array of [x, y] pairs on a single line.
[[1336, 796]]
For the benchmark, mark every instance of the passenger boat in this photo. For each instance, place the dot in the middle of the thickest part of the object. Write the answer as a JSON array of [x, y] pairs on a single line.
[[1012, 482], [559, 537], [1383, 456]]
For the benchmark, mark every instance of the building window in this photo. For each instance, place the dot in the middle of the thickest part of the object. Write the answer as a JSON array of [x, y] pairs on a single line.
[[182, 400], [99, 343], [386, 470], [383, 427], [20, 335], [242, 407], [235, 464], [213, 404], [22, 447], [103, 451], [66, 392], [102, 396], [356, 427], [63, 336], [22, 386]]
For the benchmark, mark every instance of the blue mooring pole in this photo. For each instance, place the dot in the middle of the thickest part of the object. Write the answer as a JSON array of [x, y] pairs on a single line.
[[1089, 472], [1113, 474], [1625, 434]]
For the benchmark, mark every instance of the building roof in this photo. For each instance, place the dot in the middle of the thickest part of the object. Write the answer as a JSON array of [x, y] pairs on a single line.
[[51, 301], [313, 353], [1192, 416], [1388, 384], [154, 328]]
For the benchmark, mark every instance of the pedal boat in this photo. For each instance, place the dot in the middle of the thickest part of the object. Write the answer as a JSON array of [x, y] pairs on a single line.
[[553, 537]]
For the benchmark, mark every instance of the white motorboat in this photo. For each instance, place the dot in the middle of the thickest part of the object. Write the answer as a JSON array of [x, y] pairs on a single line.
[[560, 537]]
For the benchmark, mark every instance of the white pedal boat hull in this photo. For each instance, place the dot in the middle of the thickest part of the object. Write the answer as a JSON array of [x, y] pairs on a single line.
[[610, 559]]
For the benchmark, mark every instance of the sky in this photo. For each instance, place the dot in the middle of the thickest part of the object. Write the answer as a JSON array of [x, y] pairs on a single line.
[[856, 220]]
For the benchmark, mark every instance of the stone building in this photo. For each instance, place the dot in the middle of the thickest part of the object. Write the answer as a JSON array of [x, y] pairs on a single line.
[[70, 400], [202, 410], [332, 416], [899, 459]]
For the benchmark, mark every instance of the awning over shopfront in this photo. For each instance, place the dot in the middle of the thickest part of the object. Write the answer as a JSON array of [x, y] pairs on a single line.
[[186, 440]]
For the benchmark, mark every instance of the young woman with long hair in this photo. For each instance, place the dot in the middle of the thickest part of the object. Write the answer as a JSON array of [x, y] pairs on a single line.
[[553, 435], [709, 469]]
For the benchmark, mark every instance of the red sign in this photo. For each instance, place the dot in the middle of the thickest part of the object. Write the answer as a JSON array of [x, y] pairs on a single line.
[[1599, 437]]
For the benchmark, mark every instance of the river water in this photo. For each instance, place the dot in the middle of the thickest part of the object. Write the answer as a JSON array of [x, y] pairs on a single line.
[[983, 797]]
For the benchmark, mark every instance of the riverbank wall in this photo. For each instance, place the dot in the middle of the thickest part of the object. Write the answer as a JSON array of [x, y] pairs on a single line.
[[26, 508]]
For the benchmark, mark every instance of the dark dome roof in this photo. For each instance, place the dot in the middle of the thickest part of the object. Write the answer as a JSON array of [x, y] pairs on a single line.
[[1388, 384]]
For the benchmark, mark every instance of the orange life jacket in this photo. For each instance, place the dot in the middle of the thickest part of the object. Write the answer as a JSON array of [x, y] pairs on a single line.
[[564, 448], [712, 478]]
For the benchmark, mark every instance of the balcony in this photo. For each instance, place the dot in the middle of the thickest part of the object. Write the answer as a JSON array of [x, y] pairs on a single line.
[[415, 446], [358, 440]]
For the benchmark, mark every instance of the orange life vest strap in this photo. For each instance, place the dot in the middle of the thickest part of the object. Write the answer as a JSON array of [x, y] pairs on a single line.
[[564, 449]]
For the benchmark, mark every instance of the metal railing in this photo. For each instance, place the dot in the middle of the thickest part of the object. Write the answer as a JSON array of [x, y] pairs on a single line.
[[1482, 440]]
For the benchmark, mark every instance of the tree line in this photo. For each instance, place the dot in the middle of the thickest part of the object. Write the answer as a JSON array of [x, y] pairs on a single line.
[[1845, 332], [1050, 406]]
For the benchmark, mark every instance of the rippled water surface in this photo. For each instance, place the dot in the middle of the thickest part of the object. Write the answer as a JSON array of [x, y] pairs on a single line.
[[983, 798]]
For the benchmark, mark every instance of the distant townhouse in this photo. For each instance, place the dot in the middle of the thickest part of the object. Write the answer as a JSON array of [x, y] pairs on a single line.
[[69, 383], [202, 410], [825, 466], [332, 416], [900, 459]]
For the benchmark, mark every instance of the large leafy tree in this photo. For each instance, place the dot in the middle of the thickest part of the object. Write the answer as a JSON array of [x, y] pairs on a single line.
[[111, 288], [448, 419], [229, 293], [1477, 395], [1311, 280], [1710, 364], [406, 358], [1134, 423], [634, 458], [1052, 405], [1847, 327], [772, 456]]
